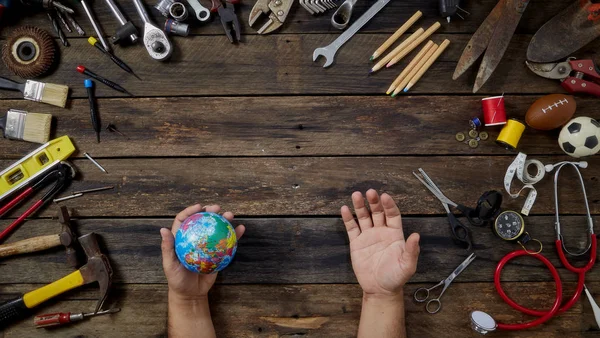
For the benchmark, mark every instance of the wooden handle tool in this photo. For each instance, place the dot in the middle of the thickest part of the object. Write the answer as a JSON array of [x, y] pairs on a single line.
[[30, 245]]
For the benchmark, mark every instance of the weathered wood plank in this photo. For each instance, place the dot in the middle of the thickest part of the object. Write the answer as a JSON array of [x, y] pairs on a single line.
[[293, 126], [300, 22], [309, 310], [295, 250], [306, 186], [282, 64]]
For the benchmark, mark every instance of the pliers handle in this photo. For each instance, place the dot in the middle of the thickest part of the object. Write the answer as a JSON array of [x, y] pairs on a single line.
[[577, 84], [61, 176]]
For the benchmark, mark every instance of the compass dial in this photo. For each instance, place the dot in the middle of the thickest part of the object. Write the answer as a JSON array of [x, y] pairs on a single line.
[[509, 225]]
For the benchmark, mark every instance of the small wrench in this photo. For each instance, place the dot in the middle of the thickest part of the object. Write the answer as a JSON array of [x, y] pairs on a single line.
[[156, 41], [202, 13], [330, 50]]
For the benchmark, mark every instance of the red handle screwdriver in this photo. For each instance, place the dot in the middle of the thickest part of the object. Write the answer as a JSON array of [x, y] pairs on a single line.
[[61, 318]]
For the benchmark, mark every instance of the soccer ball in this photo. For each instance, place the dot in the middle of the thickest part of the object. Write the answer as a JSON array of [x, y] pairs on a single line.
[[580, 137]]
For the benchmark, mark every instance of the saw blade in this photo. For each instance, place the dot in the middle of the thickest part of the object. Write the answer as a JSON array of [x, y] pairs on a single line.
[[479, 41], [509, 20], [565, 33]]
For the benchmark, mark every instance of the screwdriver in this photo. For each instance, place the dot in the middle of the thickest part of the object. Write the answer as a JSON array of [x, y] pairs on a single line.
[[109, 83], [61, 318], [89, 85], [92, 41]]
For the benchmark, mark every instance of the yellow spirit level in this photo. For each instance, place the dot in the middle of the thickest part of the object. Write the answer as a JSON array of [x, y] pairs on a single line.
[[35, 164]]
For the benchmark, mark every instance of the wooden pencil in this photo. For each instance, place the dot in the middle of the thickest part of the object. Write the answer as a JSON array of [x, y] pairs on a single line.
[[410, 66], [427, 65], [396, 35], [397, 50], [414, 44], [415, 70]]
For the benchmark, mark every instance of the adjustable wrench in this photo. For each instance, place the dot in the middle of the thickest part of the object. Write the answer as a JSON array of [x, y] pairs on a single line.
[[155, 40], [202, 13]]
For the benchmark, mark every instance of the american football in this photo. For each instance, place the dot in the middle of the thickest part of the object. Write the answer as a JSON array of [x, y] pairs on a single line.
[[551, 111]]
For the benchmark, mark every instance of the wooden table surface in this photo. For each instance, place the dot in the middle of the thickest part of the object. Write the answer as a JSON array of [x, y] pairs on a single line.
[[260, 129]]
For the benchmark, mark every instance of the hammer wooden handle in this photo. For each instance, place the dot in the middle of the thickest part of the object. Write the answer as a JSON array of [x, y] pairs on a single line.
[[30, 245]]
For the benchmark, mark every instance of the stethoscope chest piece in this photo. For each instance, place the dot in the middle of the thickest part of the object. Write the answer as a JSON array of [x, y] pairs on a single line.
[[482, 323]]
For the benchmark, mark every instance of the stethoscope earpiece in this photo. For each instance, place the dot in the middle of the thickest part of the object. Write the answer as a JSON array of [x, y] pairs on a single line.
[[580, 164], [482, 323]]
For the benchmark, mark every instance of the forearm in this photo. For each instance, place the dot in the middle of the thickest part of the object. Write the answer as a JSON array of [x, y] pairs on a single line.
[[189, 318], [382, 316]]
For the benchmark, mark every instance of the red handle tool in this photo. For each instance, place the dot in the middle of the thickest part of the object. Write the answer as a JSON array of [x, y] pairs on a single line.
[[577, 84], [62, 175], [62, 318]]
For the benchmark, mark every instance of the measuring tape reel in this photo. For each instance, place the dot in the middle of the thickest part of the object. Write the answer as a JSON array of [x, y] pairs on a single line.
[[510, 226]]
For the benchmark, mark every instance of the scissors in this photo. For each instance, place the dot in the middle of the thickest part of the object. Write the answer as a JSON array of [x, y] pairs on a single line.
[[422, 294], [460, 232]]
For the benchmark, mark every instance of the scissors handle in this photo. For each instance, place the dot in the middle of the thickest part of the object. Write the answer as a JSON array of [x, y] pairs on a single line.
[[459, 231], [433, 306], [421, 294], [471, 215]]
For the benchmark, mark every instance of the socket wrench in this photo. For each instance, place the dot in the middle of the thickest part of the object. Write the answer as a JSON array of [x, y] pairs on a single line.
[[126, 26], [155, 40], [202, 13]]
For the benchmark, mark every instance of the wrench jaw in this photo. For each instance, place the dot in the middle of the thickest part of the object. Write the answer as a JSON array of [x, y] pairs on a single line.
[[261, 7], [324, 53]]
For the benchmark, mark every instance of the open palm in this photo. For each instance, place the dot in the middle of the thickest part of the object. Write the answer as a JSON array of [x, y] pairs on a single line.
[[381, 258]]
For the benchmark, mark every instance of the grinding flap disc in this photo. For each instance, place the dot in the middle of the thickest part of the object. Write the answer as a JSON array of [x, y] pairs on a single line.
[[29, 52]]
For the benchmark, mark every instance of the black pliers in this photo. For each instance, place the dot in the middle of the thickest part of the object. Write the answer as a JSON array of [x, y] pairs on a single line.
[[228, 18], [62, 175]]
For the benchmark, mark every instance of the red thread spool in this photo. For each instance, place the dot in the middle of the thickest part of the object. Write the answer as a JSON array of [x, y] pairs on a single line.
[[494, 113]]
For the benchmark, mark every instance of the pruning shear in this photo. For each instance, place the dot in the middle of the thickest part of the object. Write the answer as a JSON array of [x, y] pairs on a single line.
[[228, 18], [277, 10], [586, 77], [62, 175]]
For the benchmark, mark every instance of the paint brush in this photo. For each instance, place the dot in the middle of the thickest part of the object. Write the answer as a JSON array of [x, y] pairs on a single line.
[[49, 93], [107, 82], [30, 127]]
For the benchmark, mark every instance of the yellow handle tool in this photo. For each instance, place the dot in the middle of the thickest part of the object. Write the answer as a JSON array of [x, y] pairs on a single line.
[[21, 307]]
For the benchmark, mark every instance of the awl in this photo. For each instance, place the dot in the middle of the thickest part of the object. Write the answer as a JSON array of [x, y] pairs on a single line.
[[62, 318]]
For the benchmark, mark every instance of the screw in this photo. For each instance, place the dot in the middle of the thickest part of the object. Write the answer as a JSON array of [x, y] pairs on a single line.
[[583, 85], [580, 65], [280, 13], [278, 3], [572, 81], [113, 129]]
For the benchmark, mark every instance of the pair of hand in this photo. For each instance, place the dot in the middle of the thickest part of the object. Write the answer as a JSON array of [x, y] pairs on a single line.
[[382, 259]]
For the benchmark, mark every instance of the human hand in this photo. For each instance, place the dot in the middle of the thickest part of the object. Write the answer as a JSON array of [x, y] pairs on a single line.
[[382, 260], [182, 282]]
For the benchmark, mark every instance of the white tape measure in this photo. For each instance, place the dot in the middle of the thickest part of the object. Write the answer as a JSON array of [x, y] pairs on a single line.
[[519, 167]]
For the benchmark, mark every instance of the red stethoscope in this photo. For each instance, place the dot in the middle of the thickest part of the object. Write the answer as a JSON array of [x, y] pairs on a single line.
[[484, 323]]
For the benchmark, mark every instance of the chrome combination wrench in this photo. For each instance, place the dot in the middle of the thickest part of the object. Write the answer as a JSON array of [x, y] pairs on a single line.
[[202, 13], [155, 40], [330, 50]]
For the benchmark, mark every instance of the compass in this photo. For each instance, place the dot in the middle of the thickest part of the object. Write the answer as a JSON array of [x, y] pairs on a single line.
[[509, 225]]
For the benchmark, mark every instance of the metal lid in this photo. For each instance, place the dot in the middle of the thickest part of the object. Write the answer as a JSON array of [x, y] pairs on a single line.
[[482, 323]]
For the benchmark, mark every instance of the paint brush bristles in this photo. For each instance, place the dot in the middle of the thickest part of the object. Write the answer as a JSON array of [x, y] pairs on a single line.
[[55, 94], [30, 127]]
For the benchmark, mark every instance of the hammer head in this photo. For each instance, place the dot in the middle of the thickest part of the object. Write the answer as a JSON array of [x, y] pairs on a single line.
[[97, 268], [67, 237]]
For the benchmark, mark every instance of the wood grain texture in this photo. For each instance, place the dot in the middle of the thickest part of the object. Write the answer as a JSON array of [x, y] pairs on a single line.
[[282, 64], [306, 185], [296, 250], [300, 21], [309, 310], [294, 126]]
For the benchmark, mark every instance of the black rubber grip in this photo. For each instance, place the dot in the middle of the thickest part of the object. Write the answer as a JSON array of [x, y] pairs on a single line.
[[12, 311]]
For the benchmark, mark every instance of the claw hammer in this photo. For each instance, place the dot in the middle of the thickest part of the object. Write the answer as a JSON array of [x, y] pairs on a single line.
[[97, 269], [65, 238]]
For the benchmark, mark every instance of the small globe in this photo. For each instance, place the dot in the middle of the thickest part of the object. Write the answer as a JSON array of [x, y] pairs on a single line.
[[205, 243]]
